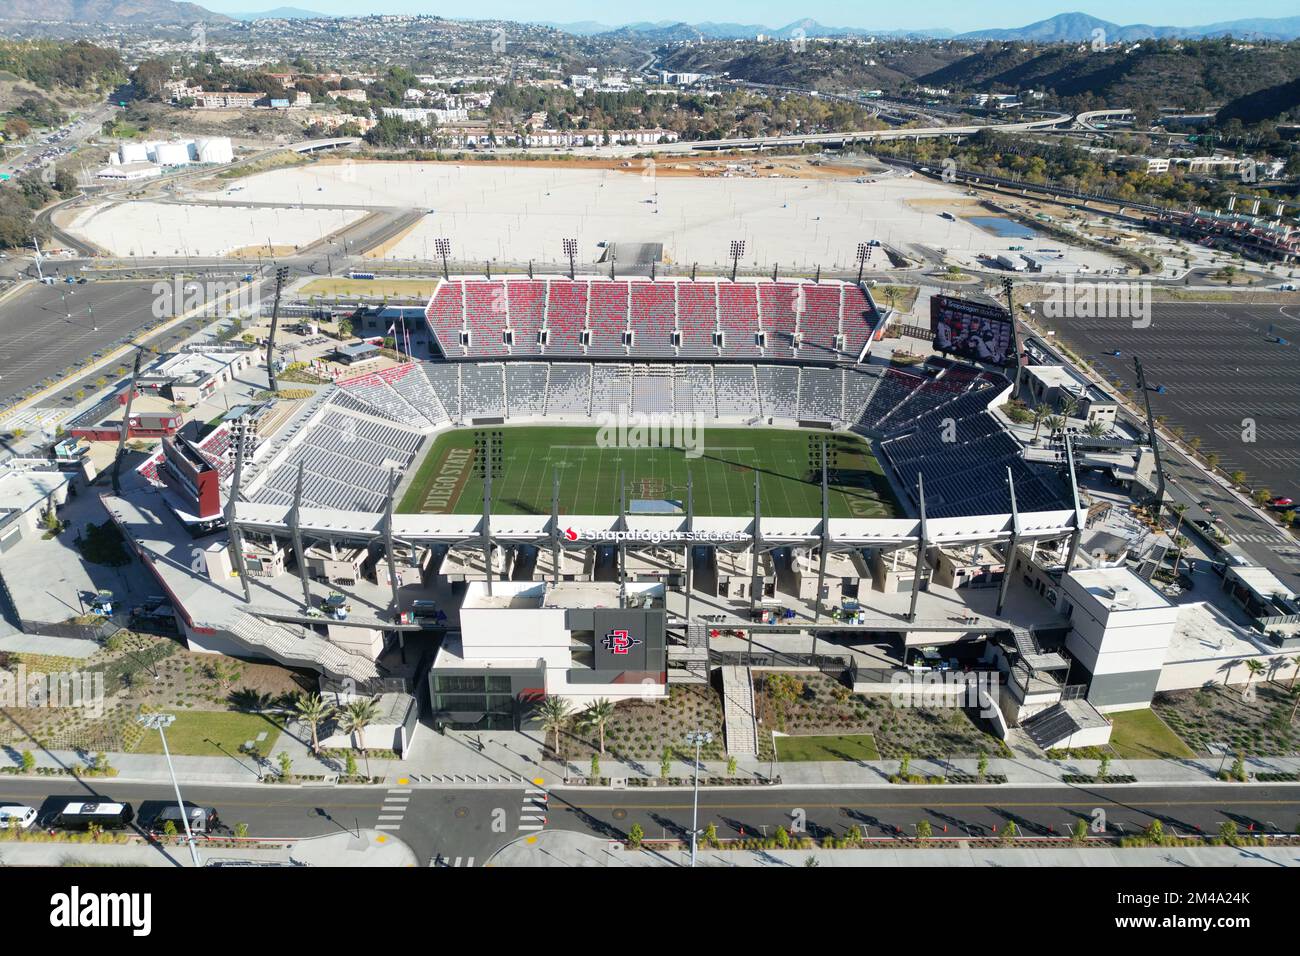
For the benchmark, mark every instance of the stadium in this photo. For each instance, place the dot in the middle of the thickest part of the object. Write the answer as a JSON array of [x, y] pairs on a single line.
[[600, 487]]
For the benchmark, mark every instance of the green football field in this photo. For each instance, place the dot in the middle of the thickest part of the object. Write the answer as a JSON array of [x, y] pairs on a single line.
[[449, 481]]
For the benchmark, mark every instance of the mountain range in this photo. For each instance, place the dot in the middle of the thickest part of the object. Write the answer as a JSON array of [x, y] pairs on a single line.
[[1062, 28], [108, 11]]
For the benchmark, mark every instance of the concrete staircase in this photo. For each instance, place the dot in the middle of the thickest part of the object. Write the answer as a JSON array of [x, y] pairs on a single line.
[[738, 712], [296, 646]]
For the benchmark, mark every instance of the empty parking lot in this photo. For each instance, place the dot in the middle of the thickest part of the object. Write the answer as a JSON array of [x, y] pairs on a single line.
[[1227, 378], [46, 329]]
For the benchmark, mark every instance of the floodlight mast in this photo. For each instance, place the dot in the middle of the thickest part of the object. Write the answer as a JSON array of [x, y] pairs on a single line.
[[443, 248], [570, 247], [737, 250], [863, 255]]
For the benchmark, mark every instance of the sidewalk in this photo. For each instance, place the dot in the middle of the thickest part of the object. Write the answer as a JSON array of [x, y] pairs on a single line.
[[369, 848], [566, 848], [511, 759]]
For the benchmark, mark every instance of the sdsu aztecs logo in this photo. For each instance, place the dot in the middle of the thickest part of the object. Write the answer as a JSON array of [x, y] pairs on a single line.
[[620, 642]]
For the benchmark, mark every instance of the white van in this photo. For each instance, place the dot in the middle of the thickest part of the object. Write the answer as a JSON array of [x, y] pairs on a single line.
[[16, 817]]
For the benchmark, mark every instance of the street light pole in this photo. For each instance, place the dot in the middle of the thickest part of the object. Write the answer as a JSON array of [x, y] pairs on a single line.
[[697, 737], [159, 722]]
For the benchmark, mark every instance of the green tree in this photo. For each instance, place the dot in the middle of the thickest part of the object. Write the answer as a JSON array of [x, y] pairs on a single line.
[[286, 764], [665, 764], [553, 714], [354, 718], [595, 766], [1156, 832], [28, 761], [1253, 669], [596, 716], [313, 711], [1103, 767], [634, 836], [1010, 831], [1079, 832], [924, 831], [1228, 832], [782, 838]]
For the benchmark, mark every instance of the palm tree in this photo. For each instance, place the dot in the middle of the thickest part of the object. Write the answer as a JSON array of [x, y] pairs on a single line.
[[1040, 413], [597, 714], [1296, 673], [553, 713], [1054, 423], [354, 719], [313, 711], [1095, 429], [1253, 669], [1069, 405]]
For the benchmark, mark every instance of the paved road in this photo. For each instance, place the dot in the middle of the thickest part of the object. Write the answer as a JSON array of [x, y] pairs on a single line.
[[268, 811], [974, 811], [465, 826]]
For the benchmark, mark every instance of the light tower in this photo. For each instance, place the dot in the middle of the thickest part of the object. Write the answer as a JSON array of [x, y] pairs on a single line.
[[737, 250], [571, 251]]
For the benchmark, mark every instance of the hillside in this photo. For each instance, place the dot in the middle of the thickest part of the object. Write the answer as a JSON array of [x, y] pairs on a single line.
[[820, 66], [108, 11], [1190, 75], [1270, 105]]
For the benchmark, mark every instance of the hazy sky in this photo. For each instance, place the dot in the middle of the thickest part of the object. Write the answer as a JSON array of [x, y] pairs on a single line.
[[957, 15]]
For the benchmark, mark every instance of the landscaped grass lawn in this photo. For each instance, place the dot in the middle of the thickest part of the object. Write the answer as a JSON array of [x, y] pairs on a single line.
[[447, 481], [846, 747], [1141, 735], [211, 733]]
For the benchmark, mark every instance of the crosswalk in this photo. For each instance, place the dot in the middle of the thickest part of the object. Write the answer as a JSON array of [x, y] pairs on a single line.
[[394, 809], [532, 815], [450, 861]]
